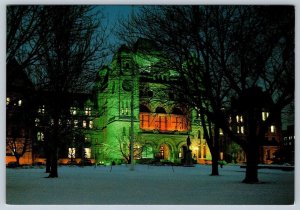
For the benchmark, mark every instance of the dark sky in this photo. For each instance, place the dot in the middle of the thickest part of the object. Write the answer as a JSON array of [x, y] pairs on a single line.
[[112, 14]]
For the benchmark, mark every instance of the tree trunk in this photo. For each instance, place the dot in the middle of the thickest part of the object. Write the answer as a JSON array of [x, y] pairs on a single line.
[[53, 171], [48, 160], [215, 158], [17, 160], [48, 165], [215, 152], [252, 154], [53, 148]]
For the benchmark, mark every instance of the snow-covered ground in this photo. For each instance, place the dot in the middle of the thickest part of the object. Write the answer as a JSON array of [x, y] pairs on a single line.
[[148, 185]]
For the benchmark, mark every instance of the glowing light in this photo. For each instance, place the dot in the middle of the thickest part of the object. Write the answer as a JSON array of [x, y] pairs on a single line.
[[73, 110], [20, 102], [272, 128], [72, 152], [265, 115], [87, 152], [40, 136], [88, 111], [7, 100], [75, 123], [91, 124]]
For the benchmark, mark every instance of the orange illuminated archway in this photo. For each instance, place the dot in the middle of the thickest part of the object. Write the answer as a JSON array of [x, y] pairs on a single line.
[[164, 152]]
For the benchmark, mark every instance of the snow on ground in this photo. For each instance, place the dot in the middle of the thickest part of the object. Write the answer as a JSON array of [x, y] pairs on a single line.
[[148, 185]]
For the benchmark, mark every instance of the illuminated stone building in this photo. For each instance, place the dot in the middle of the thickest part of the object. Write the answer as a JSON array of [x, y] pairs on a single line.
[[161, 126]]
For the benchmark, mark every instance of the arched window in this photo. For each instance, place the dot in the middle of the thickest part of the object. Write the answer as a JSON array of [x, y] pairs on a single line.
[[177, 111], [144, 108], [160, 110]]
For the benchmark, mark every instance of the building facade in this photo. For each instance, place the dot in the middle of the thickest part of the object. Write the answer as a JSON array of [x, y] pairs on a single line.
[[135, 88]]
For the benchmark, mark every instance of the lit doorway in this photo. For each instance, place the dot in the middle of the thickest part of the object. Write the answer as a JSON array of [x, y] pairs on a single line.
[[164, 152]]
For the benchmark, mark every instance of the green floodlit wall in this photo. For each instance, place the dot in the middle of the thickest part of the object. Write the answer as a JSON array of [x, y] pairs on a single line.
[[113, 94]]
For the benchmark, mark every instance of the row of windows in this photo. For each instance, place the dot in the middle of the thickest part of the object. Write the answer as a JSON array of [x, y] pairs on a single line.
[[163, 122], [72, 153], [73, 110], [241, 130], [18, 102], [41, 137], [240, 119], [75, 123]]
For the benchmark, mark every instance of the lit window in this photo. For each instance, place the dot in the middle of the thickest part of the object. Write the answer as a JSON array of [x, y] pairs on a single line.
[[84, 123], [7, 100], [75, 123], [221, 131], [20, 102], [265, 115], [242, 129], [272, 129], [87, 152], [40, 136], [73, 110], [91, 124], [239, 118], [88, 111], [52, 122], [72, 152], [37, 121], [41, 109]]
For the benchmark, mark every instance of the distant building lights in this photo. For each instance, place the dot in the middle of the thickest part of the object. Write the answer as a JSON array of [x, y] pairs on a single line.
[[265, 115], [7, 100], [72, 152], [75, 123], [272, 128], [73, 110], [88, 111], [88, 152], [91, 124], [20, 102], [242, 129], [41, 109], [40, 136]]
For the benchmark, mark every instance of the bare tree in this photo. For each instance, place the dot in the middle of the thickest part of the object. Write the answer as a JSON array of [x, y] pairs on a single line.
[[22, 42], [73, 45], [220, 53], [62, 48], [18, 143]]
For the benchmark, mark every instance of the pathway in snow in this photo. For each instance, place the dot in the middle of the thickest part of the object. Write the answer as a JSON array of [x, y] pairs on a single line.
[[148, 185]]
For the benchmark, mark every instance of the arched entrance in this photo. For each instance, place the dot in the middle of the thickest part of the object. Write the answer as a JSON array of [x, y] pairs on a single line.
[[164, 152], [147, 151]]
